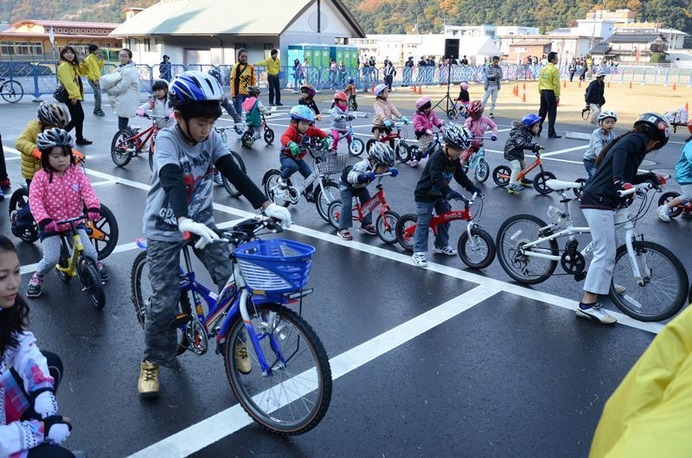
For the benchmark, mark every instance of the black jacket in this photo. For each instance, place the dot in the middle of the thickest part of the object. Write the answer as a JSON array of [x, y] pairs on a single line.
[[519, 139], [594, 93], [433, 184], [310, 104]]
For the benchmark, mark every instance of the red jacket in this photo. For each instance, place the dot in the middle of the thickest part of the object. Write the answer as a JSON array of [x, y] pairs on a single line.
[[292, 135]]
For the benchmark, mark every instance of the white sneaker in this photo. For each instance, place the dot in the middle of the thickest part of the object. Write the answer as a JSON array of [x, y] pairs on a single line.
[[619, 289], [414, 163], [419, 259], [448, 250], [664, 213], [596, 313]]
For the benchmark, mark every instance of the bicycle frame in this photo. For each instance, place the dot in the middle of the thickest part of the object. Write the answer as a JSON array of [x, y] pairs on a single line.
[[444, 218], [71, 268], [149, 135], [376, 200], [475, 158]]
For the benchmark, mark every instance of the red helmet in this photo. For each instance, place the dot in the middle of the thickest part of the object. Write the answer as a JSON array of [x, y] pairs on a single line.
[[476, 108], [340, 96]]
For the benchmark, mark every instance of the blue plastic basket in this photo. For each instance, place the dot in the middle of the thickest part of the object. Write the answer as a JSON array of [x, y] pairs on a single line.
[[276, 265]]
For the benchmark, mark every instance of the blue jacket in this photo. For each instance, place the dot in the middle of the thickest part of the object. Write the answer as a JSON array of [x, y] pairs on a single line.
[[683, 169]]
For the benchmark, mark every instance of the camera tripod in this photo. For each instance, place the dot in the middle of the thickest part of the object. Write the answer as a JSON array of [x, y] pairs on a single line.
[[447, 98]]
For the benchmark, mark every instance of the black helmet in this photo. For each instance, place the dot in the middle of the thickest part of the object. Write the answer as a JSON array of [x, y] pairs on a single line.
[[53, 114], [458, 136], [656, 126]]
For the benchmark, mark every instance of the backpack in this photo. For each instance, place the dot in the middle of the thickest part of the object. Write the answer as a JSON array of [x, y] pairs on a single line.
[[344, 174]]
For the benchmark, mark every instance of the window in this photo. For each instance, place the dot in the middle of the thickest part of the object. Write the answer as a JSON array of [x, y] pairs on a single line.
[[6, 48], [149, 43]]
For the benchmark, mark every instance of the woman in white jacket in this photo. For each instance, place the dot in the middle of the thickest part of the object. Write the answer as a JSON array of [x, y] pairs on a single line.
[[122, 87]]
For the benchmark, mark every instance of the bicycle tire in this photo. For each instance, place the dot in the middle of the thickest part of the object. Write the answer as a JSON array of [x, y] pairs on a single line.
[[664, 199], [227, 185], [482, 171], [270, 183], [18, 200], [91, 279], [356, 147], [404, 155], [268, 136], [324, 196], [104, 233], [247, 140], [482, 254], [517, 265], [64, 262], [334, 212], [501, 175], [388, 236], [369, 144], [578, 191], [405, 221], [151, 161], [586, 113], [539, 183], [12, 91], [120, 147], [141, 294], [655, 300], [299, 366], [452, 114]]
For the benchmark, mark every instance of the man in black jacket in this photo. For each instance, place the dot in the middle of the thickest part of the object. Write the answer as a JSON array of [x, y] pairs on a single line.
[[594, 96]]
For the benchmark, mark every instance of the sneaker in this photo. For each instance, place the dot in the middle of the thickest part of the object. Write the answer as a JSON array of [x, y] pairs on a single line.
[[514, 189], [414, 163], [281, 182], [526, 182], [83, 142], [345, 234], [5, 184], [664, 213], [619, 289], [419, 259], [595, 312], [242, 360], [217, 178], [34, 288], [369, 229], [148, 384], [448, 250], [279, 104], [103, 272]]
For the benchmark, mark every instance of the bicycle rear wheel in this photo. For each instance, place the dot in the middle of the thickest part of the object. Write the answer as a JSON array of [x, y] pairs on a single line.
[[12, 91], [227, 185], [19, 200], [104, 233], [141, 295], [401, 229], [123, 149], [477, 251], [293, 396], [513, 234], [324, 196], [664, 199], [91, 279], [662, 291]]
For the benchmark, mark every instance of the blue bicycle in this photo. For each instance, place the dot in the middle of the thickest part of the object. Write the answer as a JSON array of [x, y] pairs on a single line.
[[414, 153], [476, 162], [275, 362]]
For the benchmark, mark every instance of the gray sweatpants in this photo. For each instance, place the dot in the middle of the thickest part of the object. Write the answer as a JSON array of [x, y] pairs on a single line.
[[51, 251], [605, 243], [163, 259]]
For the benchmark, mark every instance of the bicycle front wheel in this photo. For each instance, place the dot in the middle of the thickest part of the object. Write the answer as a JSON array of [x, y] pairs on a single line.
[[141, 296], [12, 91], [662, 290], [227, 185], [477, 251], [292, 396], [482, 171], [356, 147], [501, 175], [91, 279], [516, 260], [324, 196], [122, 149], [386, 225]]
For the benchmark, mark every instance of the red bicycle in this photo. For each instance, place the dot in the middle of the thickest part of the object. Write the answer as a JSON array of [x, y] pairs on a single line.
[[395, 139], [475, 247], [386, 220], [130, 142]]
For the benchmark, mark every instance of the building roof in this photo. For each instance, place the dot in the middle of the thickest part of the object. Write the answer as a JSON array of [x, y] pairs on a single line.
[[601, 48], [212, 17], [80, 25], [530, 43], [618, 37]]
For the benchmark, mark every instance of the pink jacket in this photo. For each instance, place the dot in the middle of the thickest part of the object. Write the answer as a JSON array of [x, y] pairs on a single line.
[[479, 127], [384, 109], [61, 197], [423, 122]]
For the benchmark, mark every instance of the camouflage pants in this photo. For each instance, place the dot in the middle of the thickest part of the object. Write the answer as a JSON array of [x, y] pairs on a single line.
[[163, 259]]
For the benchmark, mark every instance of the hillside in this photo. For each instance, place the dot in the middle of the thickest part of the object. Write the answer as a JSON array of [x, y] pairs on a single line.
[[71, 10]]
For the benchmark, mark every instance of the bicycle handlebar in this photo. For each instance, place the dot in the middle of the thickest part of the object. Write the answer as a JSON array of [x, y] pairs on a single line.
[[635, 188], [150, 115], [245, 231], [71, 220]]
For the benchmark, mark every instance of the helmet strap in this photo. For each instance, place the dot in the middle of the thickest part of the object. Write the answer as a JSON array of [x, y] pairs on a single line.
[[185, 135]]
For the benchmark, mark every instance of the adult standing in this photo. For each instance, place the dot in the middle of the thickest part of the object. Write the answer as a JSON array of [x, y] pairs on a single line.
[[122, 87], [297, 75], [273, 64], [408, 72], [332, 74], [595, 96], [492, 79], [4, 178], [464, 61], [572, 69], [91, 68], [165, 68], [68, 75], [549, 89], [342, 75], [242, 76], [389, 72]]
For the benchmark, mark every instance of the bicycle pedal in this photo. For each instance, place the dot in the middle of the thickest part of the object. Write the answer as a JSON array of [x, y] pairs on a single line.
[[181, 319]]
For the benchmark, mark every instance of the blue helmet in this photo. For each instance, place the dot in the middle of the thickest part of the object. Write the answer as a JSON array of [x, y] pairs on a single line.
[[192, 87], [302, 113], [351, 80], [530, 119]]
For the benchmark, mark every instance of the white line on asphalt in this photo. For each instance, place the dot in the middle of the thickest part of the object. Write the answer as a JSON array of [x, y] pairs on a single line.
[[561, 151], [227, 422]]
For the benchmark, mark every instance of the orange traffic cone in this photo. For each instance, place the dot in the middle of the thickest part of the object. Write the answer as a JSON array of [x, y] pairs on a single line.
[[414, 88], [372, 89], [674, 86], [579, 83], [420, 90], [608, 84], [524, 88], [687, 107], [564, 83], [523, 97], [630, 84]]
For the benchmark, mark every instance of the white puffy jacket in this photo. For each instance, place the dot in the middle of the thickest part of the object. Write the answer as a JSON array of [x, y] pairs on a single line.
[[122, 87]]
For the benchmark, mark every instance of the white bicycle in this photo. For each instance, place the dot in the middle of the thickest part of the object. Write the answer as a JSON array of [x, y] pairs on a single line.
[[654, 280]]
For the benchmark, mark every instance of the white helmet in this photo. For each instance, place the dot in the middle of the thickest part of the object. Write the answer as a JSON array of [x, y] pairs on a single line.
[[607, 114], [382, 154], [379, 88]]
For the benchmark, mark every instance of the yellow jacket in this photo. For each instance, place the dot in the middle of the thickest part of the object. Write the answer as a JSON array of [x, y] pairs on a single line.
[[549, 78], [650, 413], [245, 79], [26, 144], [91, 67], [68, 75], [273, 66]]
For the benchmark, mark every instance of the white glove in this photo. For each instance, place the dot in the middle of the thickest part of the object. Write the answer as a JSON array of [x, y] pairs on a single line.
[[58, 433], [206, 235], [280, 213], [45, 404]]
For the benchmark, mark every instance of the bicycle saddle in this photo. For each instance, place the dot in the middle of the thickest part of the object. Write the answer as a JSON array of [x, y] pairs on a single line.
[[559, 185]]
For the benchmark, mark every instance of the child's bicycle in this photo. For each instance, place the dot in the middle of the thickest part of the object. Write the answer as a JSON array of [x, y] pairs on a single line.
[[356, 145], [475, 246], [456, 111], [287, 387], [73, 262], [131, 142], [352, 103], [413, 152], [682, 209], [386, 220], [401, 148], [227, 185], [477, 162], [253, 133], [325, 190], [503, 173], [651, 280]]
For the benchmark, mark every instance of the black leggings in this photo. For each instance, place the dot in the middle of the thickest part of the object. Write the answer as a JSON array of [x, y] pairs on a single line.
[[50, 451], [77, 118]]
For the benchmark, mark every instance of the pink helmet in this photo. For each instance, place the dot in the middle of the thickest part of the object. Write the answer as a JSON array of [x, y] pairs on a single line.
[[422, 102], [464, 86]]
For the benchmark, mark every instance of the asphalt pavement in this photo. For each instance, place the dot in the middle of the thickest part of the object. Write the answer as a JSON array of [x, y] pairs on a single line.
[[445, 360]]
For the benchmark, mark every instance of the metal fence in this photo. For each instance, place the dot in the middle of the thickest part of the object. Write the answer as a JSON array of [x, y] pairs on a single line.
[[39, 78]]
